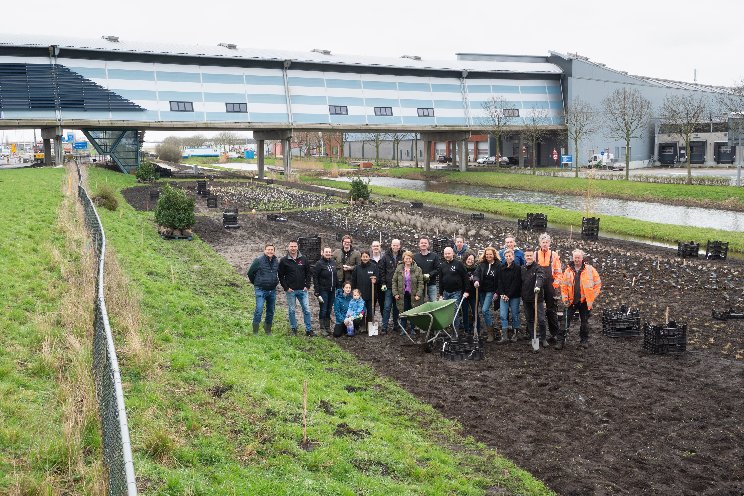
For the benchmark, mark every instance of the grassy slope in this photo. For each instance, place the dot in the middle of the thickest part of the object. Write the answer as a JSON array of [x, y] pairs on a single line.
[[34, 456], [615, 224], [248, 441], [724, 195]]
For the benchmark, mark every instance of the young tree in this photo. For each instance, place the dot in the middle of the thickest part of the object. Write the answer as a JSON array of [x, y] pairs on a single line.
[[683, 113], [225, 139], [535, 131], [626, 112], [581, 121], [396, 137], [497, 119], [732, 99], [376, 140]]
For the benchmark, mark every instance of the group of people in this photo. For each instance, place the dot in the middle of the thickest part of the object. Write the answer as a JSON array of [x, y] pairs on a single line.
[[350, 284]]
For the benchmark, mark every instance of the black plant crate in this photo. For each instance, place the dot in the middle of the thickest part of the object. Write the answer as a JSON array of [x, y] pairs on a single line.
[[621, 322], [417, 204], [230, 219], [590, 227], [211, 202], [459, 351], [670, 339], [716, 250], [310, 248], [690, 249], [201, 187], [477, 216]]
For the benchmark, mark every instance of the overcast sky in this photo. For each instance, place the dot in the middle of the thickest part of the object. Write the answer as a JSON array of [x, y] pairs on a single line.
[[652, 38]]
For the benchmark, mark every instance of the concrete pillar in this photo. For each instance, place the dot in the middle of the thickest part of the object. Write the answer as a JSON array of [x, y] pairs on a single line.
[[58, 150], [260, 160], [47, 151], [521, 155], [463, 156], [454, 153], [287, 158]]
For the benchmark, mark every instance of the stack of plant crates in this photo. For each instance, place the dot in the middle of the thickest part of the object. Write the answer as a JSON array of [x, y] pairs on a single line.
[[310, 248], [716, 250], [621, 322], [688, 250], [589, 227], [230, 218], [461, 350], [438, 244], [533, 222], [669, 339], [201, 188]]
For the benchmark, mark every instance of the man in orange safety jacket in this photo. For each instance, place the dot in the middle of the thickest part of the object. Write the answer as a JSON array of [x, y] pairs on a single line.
[[580, 286], [545, 257]]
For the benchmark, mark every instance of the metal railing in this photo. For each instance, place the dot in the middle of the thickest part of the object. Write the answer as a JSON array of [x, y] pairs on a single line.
[[117, 450]]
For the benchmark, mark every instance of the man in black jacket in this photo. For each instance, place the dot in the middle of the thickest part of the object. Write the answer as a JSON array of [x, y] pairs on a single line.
[[363, 277], [533, 282], [453, 280], [428, 262], [387, 266], [325, 283], [264, 275], [294, 276]]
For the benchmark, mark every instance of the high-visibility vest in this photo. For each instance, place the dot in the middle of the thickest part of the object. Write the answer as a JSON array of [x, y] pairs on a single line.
[[554, 262], [589, 282]]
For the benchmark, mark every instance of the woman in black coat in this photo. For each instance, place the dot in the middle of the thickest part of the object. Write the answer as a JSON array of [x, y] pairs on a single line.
[[362, 277]]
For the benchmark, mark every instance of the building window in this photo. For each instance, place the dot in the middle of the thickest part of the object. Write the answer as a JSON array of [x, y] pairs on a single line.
[[388, 111], [182, 106], [511, 112], [425, 112], [236, 107], [338, 109]]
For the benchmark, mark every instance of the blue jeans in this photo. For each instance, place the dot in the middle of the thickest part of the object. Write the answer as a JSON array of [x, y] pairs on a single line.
[[469, 310], [504, 308], [431, 292], [486, 302], [326, 308], [267, 297], [389, 304], [456, 295], [301, 296]]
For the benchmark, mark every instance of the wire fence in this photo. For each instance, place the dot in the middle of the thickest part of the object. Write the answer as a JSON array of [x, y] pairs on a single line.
[[117, 450]]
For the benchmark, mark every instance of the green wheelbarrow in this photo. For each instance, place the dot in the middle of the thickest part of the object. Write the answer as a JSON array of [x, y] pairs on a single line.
[[433, 318]]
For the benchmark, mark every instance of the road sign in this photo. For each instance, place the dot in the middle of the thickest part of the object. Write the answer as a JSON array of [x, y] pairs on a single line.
[[555, 154], [566, 159], [80, 145], [602, 152], [70, 137]]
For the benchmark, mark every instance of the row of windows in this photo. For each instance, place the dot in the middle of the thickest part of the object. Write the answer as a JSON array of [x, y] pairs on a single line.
[[177, 106]]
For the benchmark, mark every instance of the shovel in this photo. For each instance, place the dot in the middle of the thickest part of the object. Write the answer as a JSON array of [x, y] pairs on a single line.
[[371, 324], [535, 340], [476, 337]]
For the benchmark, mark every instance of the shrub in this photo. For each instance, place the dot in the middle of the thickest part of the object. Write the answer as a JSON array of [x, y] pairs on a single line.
[[169, 152], [146, 172], [359, 189], [175, 209], [105, 197]]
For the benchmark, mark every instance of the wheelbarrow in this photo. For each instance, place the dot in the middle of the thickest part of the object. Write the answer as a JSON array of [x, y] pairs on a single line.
[[433, 318]]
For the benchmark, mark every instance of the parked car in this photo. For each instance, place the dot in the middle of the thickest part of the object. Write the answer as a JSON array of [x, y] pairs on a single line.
[[505, 161], [486, 161], [444, 159]]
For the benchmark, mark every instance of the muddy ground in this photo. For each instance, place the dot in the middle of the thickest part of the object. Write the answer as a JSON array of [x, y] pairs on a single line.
[[612, 419]]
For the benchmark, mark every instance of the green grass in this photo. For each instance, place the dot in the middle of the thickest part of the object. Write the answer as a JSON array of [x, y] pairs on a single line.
[[609, 223], [186, 441], [723, 196], [34, 455]]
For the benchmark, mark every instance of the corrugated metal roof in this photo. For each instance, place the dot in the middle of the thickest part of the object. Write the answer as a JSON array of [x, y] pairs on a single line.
[[171, 49]]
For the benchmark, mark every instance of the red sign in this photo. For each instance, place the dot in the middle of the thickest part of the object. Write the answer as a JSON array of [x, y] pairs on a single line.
[[555, 154]]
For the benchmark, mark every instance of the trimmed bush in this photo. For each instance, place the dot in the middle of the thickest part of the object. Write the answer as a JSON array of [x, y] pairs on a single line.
[[169, 152], [175, 209], [146, 172], [359, 189], [105, 197]]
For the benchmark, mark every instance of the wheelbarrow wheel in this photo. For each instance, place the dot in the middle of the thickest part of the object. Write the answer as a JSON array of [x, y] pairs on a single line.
[[428, 343]]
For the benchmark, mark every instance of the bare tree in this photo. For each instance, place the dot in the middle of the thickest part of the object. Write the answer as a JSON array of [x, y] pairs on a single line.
[[396, 137], [682, 114], [732, 99], [303, 140], [225, 139], [626, 112], [497, 119], [535, 131], [581, 121], [195, 141], [376, 140]]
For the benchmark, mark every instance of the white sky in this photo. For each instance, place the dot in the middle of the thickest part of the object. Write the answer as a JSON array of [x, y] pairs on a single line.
[[666, 39]]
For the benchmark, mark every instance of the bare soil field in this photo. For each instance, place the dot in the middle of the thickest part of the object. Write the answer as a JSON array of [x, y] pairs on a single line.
[[612, 419]]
